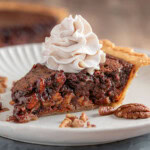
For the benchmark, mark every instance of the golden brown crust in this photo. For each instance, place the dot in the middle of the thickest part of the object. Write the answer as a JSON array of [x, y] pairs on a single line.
[[58, 13], [77, 110], [128, 54]]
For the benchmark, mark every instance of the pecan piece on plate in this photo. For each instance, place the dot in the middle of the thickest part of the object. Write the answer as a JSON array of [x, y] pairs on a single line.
[[133, 111], [3, 86], [106, 110], [89, 125], [83, 117], [71, 117], [72, 121], [65, 123], [77, 123]]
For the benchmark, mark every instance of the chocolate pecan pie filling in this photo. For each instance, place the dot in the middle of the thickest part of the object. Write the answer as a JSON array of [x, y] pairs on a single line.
[[44, 91]]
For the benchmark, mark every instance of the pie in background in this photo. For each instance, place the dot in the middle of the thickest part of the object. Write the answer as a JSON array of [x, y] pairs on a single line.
[[23, 23]]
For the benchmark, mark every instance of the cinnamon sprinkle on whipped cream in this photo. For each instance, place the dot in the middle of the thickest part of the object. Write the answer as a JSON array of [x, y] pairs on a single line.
[[73, 47]]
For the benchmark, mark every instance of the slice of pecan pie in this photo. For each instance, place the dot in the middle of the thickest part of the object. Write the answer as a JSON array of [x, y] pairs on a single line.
[[45, 92]]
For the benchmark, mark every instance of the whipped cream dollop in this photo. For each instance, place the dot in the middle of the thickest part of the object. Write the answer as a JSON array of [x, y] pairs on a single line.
[[73, 47]]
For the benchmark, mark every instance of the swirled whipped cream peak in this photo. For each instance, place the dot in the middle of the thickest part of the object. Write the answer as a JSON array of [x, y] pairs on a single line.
[[73, 47]]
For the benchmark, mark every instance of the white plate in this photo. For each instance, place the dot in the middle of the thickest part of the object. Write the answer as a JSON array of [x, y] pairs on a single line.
[[16, 61]]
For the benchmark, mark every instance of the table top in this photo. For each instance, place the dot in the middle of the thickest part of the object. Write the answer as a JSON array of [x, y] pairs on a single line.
[[138, 143]]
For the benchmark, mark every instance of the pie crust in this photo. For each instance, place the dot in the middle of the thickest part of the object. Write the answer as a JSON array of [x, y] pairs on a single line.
[[129, 55], [125, 53]]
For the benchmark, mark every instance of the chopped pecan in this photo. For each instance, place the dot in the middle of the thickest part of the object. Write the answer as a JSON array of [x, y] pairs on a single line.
[[68, 98], [84, 101], [106, 110], [11, 102], [89, 125], [133, 111], [57, 97], [32, 101], [36, 107], [105, 101], [74, 122], [83, 117], [87, 103], [80, 100], [77, 123], [41, 85], [3, 86], [65, 123], [71, 117]]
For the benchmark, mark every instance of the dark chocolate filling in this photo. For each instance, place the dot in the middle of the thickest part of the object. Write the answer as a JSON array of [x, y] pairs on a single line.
[[36, 91]]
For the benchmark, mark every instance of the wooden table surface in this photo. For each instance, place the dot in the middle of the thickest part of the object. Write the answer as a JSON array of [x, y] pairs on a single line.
[[125, 22]]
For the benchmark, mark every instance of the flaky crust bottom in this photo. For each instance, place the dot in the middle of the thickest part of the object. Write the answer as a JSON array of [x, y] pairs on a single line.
[[77, 110]]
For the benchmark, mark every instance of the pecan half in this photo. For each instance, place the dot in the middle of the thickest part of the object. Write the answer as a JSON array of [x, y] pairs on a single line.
[[133, 111], [106, 110]]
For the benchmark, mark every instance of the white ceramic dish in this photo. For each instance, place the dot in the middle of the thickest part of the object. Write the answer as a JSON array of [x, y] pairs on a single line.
[[15, 62]]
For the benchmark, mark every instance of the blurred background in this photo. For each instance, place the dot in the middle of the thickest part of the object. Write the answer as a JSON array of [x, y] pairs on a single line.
[[124, 22]]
